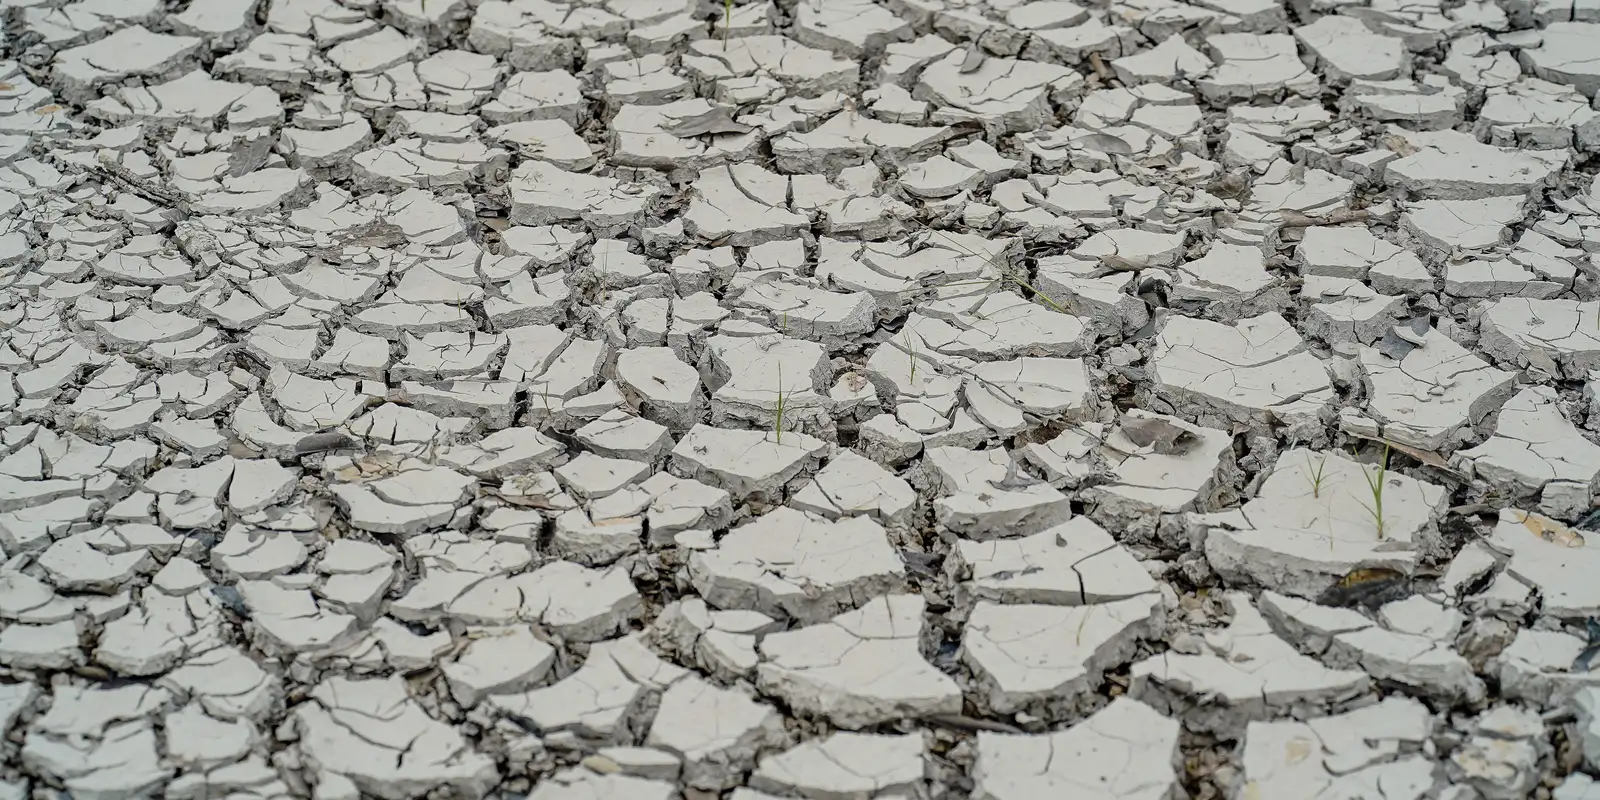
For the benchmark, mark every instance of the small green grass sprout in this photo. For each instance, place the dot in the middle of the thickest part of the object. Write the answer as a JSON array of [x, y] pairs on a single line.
[[911, 350], [1316, 474], [1375, 484]]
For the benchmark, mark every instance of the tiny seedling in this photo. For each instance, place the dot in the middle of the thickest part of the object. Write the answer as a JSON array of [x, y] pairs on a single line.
[[727, 21], [1375, 484], [1316, 474], [911, 349]]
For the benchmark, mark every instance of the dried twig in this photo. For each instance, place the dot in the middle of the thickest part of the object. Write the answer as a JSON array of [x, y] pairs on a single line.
[[966, 723], [1292, 219], [1100, 68]]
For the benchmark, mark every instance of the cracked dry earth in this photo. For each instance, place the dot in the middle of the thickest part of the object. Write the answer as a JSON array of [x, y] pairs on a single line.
[[817, 400]]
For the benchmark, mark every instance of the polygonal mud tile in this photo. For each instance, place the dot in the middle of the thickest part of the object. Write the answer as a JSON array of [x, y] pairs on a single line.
[[1309, 524]]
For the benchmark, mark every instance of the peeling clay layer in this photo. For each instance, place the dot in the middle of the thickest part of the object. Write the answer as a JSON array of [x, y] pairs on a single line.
[[799, 399]]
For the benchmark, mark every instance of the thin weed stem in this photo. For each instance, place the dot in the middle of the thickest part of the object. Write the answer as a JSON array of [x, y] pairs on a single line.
[[777, 424]]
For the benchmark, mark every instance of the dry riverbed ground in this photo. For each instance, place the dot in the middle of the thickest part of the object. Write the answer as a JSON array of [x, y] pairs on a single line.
[[817, 400]]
